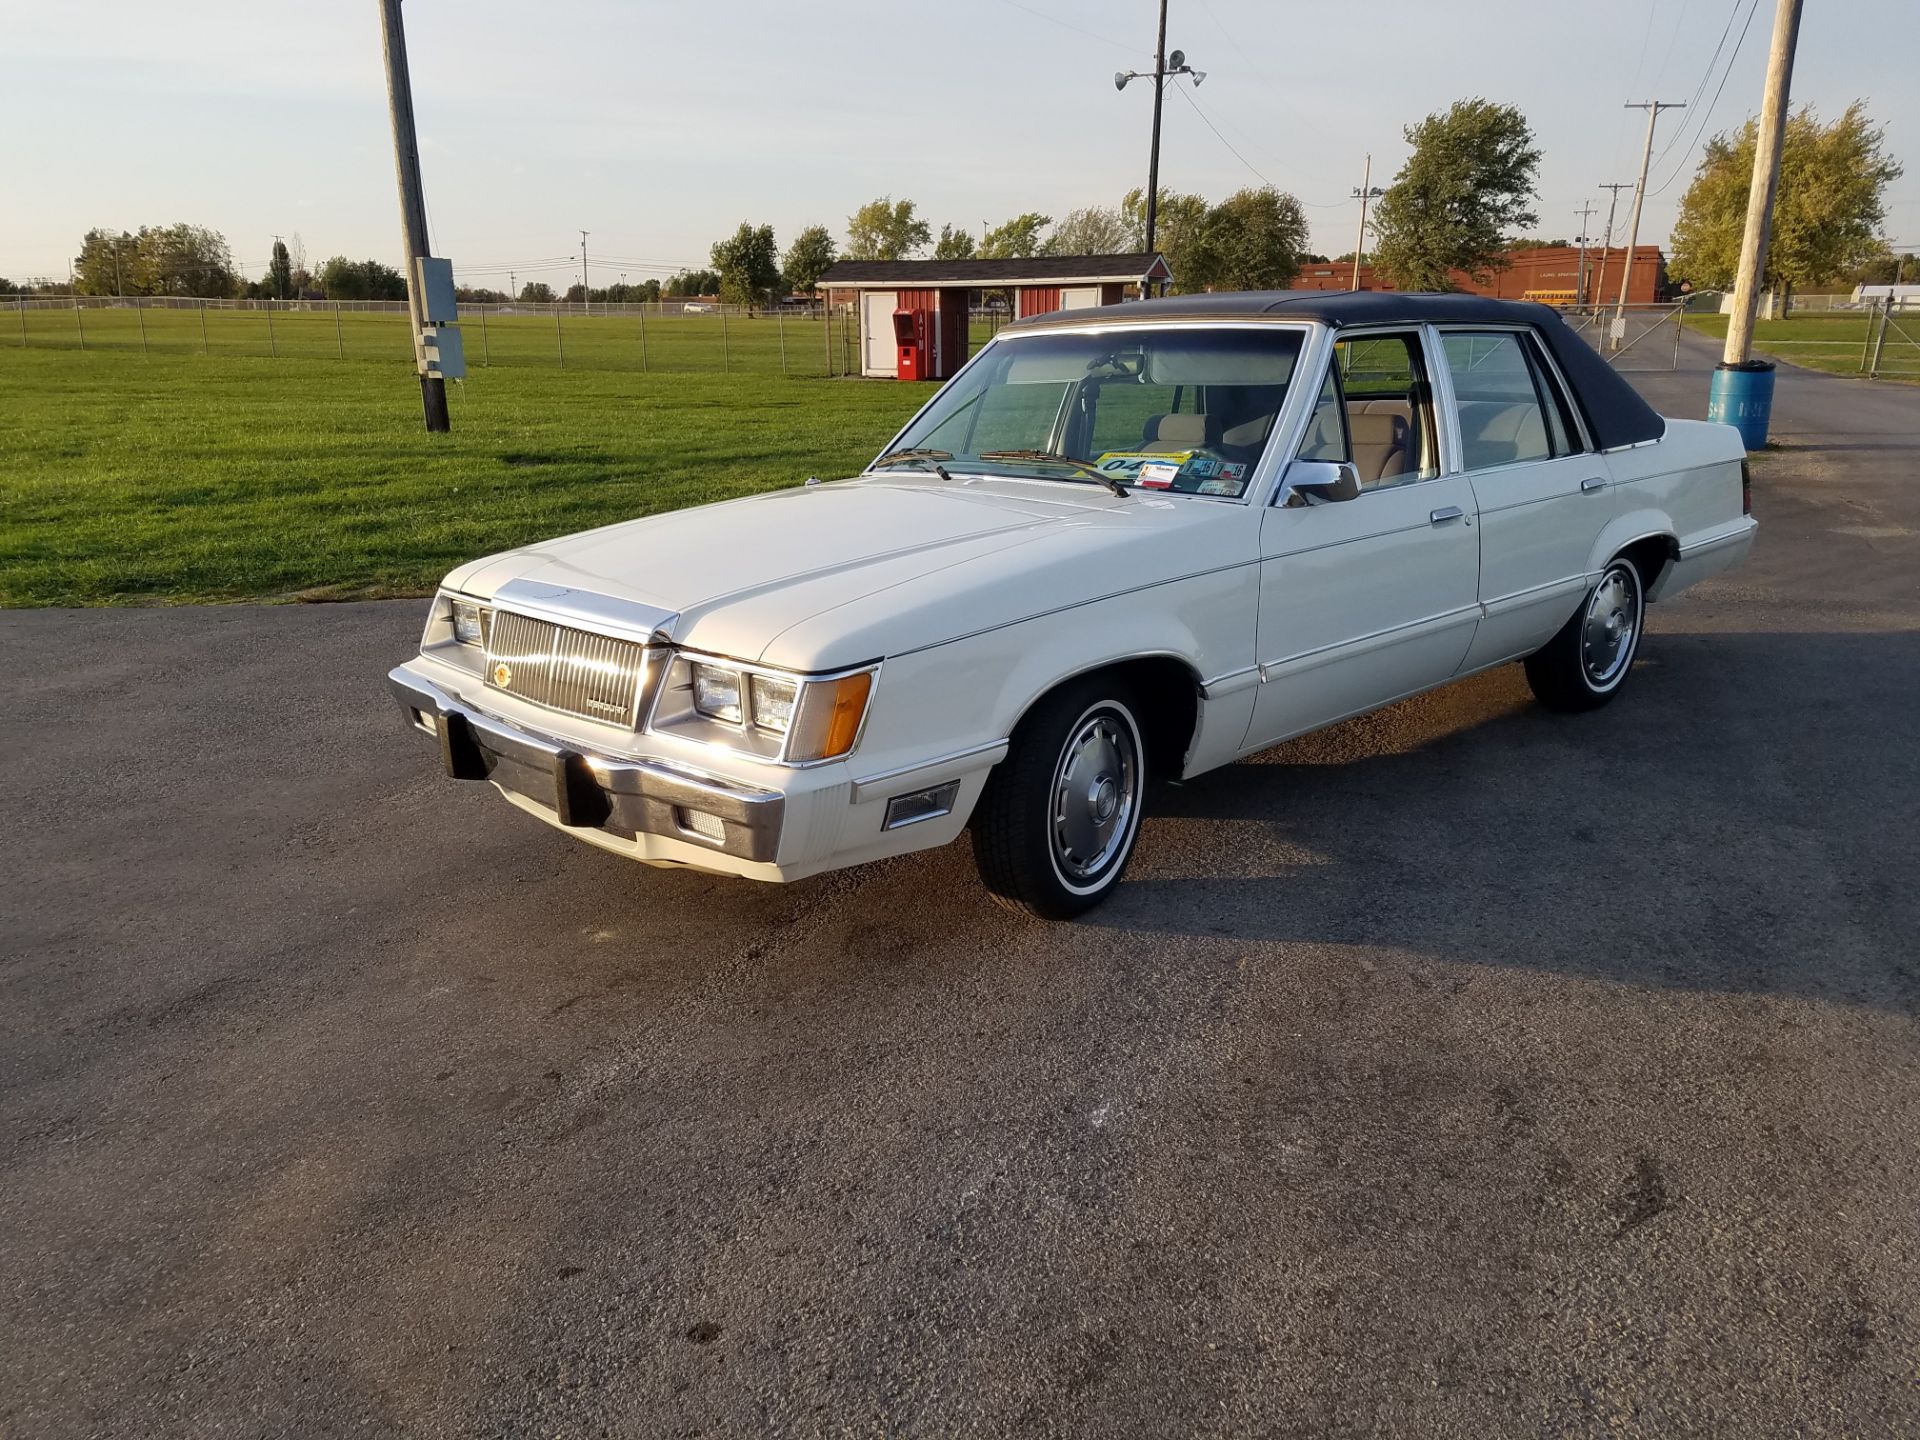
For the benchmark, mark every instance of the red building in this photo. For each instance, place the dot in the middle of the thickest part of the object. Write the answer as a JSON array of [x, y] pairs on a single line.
[[1544, 272]]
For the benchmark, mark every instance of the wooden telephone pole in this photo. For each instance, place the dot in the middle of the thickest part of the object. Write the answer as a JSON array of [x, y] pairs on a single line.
[[413, 205]]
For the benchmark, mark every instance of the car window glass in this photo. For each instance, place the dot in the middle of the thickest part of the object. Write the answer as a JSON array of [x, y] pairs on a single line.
[[1375, 412], [1502, 421]]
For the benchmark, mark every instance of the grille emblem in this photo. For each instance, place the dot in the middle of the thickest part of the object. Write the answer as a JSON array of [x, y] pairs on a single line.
[[502, 674]]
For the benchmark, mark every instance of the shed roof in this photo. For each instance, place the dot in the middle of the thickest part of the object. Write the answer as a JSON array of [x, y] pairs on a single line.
[[1033, 270]]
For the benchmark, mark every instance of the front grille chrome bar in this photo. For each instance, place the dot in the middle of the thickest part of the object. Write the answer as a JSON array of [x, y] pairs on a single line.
[[597, 677]]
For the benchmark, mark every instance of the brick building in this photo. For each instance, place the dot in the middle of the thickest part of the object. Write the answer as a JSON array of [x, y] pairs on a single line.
[[1544, 270]]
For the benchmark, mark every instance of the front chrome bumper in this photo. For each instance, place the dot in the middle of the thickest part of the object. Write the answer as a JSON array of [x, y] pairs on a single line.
[[593, 792]]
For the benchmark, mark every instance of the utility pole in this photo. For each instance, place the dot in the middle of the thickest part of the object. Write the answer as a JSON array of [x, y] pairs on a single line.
[[1741, 393], [1766, 181], [413, 204], [586, 300], [1585, 212], [273, 264], [1164, 66], [1366, 192], [1606, 242], [1653, 109], [512, 294]]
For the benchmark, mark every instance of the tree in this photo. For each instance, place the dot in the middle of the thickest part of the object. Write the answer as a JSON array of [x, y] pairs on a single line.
[[953, 244], [1179, 223], [749, 266], [182, 260], [693, 282], [345, 279], [1252, 240], [1826, 214], [279, 282], [534, 292], [1015, 239], [1095, 230], [808, 258], [105, 263], [1468, 183], [885, 229]]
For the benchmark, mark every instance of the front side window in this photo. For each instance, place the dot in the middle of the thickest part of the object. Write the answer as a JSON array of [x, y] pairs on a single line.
[[1375, 411], [1510, 409], [1184, 410]]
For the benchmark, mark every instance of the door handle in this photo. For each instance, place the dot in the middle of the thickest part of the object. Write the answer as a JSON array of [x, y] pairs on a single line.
[[1591, 484], [1446, 513]]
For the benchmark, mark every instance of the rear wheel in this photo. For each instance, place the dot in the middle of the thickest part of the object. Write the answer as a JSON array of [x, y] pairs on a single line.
[[1585, 665], [1058, 818]]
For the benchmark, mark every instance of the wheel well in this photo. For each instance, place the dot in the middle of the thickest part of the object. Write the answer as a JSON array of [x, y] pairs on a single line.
[[1166, 694], [1651, 557]]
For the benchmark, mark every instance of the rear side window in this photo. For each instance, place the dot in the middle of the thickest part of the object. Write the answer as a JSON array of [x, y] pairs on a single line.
[[1510, 409]]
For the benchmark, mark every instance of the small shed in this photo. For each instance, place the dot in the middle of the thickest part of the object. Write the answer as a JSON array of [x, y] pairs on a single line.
[[934, 297]]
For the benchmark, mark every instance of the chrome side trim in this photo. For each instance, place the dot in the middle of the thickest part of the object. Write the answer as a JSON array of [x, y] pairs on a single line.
[[1230, 682], [991, 753], [1733, 535], [1306, 660], [1536, 594]]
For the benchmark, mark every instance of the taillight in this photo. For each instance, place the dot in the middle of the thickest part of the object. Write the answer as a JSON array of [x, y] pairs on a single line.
[[1746, 489]]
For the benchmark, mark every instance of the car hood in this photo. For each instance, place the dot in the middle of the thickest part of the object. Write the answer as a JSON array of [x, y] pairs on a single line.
[[758, 578]]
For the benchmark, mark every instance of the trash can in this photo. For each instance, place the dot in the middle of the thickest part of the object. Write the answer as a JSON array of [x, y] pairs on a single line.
[[1742, 396]]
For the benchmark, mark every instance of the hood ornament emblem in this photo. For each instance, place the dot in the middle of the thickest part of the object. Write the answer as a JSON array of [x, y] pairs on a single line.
[[502, 674]]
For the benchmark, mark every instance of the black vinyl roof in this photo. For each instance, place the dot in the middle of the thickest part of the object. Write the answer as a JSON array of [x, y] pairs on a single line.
[[1614, 411], [1035, 269]]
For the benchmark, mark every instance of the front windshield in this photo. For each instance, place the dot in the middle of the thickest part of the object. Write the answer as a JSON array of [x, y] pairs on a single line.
[[1179, 409]]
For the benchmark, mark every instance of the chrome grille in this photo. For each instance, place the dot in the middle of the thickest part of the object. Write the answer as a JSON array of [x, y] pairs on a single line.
[[596, 677]]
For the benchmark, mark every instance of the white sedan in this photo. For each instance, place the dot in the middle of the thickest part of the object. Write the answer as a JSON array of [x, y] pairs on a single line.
[[1132, 541]]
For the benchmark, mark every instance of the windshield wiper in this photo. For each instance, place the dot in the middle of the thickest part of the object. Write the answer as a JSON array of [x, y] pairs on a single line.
[[929, 458], [1090, 471]]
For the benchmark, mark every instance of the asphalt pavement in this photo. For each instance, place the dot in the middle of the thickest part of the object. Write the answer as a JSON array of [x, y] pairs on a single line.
[[1464, 1070]]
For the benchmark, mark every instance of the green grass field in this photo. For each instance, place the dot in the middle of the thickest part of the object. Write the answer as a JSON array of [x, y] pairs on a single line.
[[227, 476], [1831, 342]]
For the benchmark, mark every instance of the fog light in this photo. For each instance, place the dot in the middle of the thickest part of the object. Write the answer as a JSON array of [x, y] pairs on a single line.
[[918, 805], [699, 822]]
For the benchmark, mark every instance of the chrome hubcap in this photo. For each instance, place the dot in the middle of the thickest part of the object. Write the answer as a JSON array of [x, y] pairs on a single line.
[[1612, 617], [1093, 795]]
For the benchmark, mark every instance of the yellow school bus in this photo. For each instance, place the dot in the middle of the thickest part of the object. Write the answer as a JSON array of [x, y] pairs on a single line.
[[1559, 299]]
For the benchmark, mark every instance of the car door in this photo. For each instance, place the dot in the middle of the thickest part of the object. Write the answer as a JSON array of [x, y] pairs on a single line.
[[1368, 599], [1542, 493]]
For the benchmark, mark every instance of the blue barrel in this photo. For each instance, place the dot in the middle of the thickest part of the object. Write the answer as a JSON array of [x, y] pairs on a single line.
[[1742, 396]]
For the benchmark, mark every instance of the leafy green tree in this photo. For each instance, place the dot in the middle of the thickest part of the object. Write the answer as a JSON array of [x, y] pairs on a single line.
[[344, 279], [279, 283], [534, 292], [182, 260], [1252, 240], [693, 282], [885, 229], [7, 287], [807, 259], [105, 263], [1095, 230], [1015, 239], [749, 266], [1468, 183], [953, 244], [1179, 224], [1827, 212]]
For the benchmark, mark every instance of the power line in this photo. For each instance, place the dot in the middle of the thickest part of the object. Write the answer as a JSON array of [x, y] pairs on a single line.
[[1078, 30], [1208, 122], [1701, 126]]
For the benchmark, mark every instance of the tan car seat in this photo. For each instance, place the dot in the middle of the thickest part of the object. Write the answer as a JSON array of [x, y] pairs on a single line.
[[1164, 434], [1379, 446]]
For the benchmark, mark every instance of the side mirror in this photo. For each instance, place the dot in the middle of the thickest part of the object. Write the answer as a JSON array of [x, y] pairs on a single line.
[[1324, 480]]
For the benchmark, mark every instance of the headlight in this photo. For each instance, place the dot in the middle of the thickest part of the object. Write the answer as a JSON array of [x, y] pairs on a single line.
[[773, 699], [468, 628], [716, 692]]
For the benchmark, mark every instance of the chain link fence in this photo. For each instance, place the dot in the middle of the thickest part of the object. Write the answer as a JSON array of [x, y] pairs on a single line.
[[798, 341]]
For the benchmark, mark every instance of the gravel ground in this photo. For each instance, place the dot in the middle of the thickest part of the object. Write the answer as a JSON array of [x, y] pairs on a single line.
[[1464, 1070]]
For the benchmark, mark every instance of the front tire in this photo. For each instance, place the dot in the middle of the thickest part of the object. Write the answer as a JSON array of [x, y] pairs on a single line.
[[1058, 818], [1584, 666]]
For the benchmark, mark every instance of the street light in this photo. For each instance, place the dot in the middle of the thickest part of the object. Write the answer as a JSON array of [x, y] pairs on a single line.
[[1163, 66]]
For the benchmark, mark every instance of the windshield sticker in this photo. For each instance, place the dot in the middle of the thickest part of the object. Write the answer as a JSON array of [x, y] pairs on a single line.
[[1126, 464], [1201, 466], [1233, 470], [1219, 485], [1158, 475]]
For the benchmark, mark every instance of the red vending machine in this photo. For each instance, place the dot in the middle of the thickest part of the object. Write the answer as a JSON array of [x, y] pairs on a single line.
[[915, 360]]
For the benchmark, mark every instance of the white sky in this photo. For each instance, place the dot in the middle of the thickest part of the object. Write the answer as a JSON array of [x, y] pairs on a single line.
[[660, 126]]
